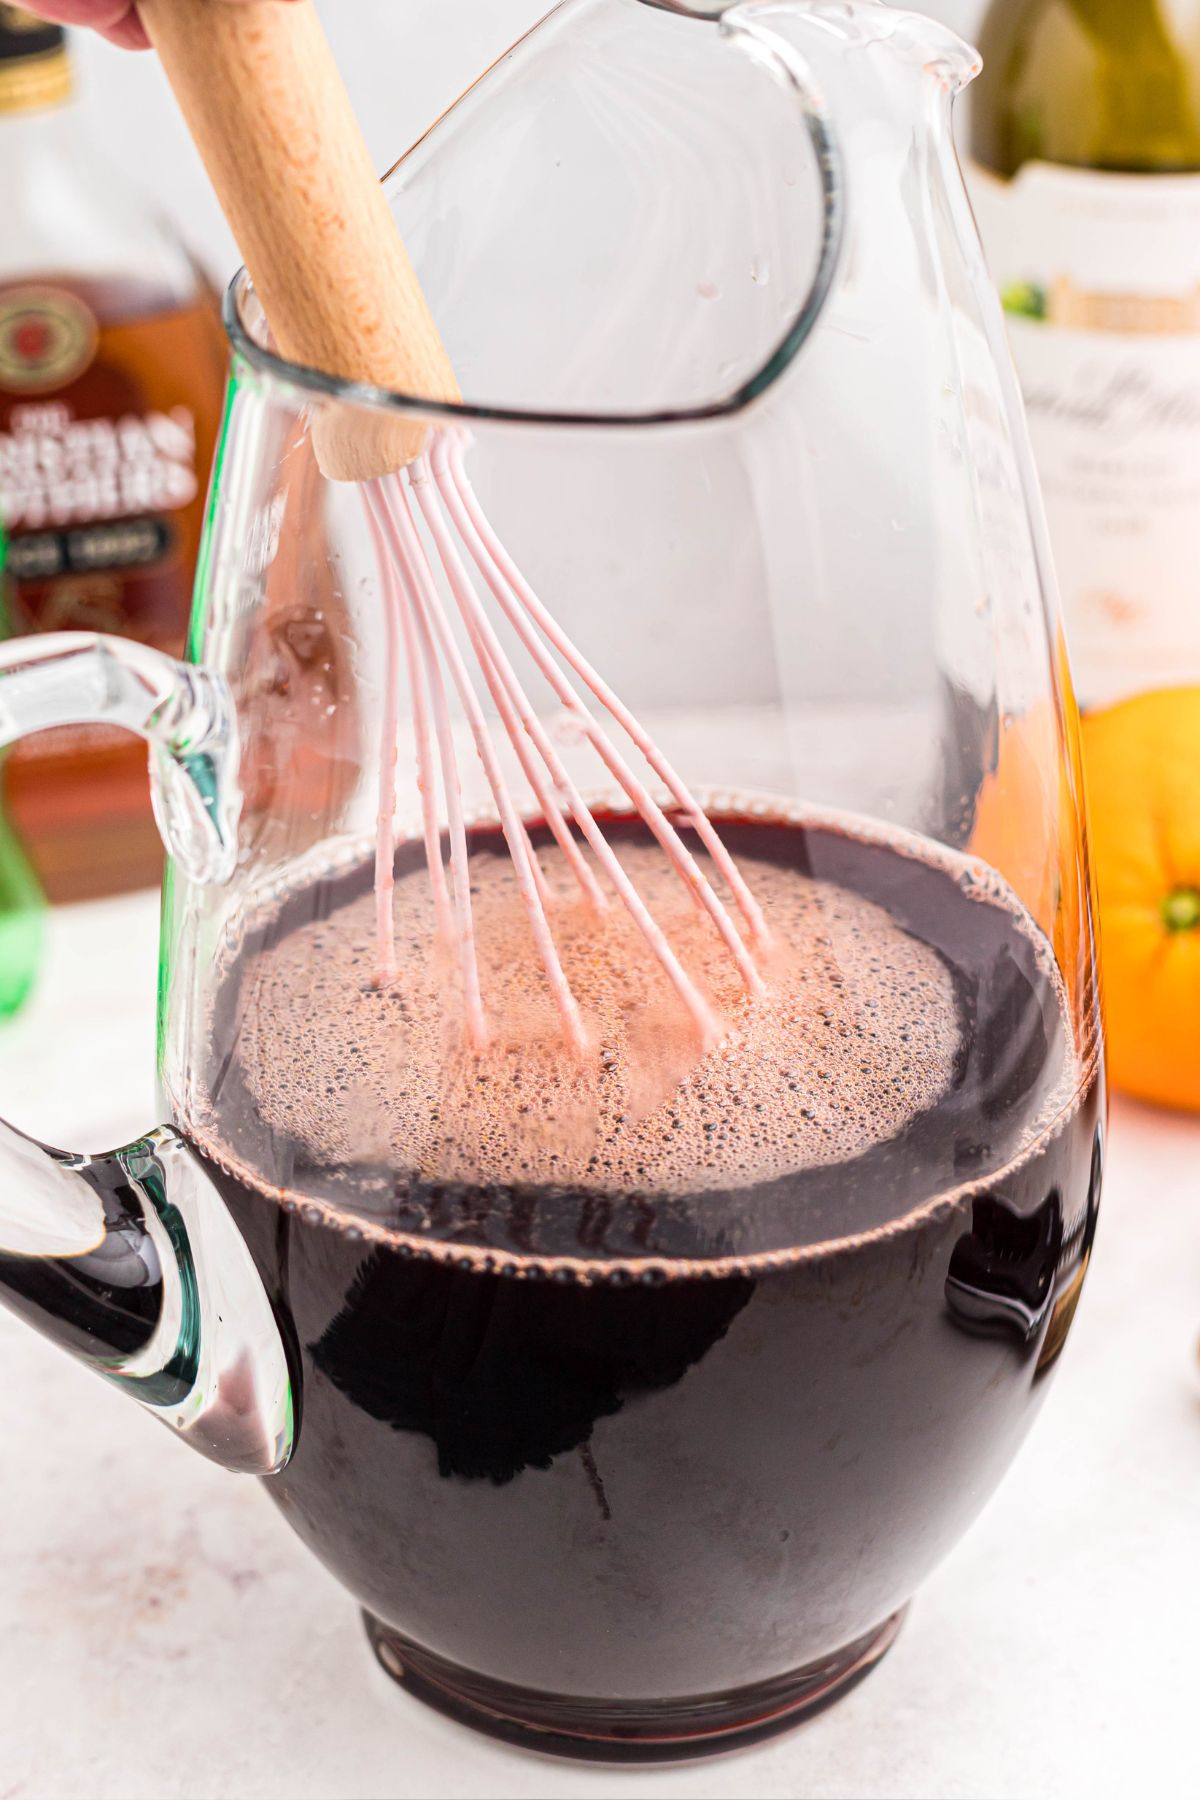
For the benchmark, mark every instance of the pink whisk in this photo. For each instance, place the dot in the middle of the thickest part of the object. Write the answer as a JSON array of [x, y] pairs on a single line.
[[422, 591], [262, 96]]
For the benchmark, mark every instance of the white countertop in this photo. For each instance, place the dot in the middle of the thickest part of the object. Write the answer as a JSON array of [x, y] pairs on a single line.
[[164, 1637]]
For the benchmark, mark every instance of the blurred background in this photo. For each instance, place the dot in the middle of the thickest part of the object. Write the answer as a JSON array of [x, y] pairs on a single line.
[[127, 101]]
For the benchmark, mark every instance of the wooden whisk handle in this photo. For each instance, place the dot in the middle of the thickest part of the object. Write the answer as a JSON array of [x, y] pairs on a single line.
[[262, 97]]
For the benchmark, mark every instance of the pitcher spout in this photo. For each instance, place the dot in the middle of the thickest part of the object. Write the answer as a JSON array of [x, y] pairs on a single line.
[[913, 39]]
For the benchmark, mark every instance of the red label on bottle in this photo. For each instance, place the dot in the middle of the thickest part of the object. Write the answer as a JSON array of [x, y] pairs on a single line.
[[47, 338]]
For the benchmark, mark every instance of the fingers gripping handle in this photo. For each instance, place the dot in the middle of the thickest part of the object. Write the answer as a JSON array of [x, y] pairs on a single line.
[[131, 1261]]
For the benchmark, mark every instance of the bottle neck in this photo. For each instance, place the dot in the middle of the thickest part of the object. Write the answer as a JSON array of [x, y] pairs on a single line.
[[35, 69], [1118, 21], [1147, 87], [1094, 84]]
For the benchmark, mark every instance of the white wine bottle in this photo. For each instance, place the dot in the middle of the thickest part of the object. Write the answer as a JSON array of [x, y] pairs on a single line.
[[1086, 154]]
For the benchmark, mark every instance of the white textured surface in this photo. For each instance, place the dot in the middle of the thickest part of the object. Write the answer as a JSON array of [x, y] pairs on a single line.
[[162, 1636]]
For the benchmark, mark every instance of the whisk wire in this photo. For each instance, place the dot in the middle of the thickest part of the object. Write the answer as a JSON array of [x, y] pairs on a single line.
[[418, 590], [483, 633], [517, 715], [435, 626], [456, 491], [401, 628], [452, 517], [389, 750], [450, 446]]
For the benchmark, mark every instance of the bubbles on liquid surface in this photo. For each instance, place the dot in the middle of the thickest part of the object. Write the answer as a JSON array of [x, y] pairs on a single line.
[[857, 1035]]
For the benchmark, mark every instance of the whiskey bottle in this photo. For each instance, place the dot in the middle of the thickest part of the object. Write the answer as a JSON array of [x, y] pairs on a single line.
[[112, 365]]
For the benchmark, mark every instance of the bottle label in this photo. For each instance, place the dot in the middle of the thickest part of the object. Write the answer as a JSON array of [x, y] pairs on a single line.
[[47, 337], [109, 402], [106, 427], [1100, 279]]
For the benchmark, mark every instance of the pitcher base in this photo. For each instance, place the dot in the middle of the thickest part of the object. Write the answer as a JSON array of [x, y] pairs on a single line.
[[623, 1730]]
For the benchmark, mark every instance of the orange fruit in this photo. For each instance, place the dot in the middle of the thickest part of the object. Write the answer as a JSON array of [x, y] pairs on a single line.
[[1142, 760]]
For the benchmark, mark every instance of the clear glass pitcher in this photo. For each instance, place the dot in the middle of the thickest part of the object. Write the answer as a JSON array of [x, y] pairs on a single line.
[[632, 1392]]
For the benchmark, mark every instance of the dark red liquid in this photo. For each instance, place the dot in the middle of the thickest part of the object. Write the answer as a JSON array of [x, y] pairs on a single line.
[[633, 1498]]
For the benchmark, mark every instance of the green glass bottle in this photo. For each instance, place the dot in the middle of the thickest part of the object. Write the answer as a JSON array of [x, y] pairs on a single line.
[[1085, 146], [1093, 84], [22, 903]]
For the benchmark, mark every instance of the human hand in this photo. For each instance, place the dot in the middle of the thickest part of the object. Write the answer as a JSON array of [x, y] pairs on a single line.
[[115, 20]]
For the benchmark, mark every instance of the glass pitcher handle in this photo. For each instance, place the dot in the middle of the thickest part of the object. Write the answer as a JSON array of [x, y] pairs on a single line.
[[131, 1260]]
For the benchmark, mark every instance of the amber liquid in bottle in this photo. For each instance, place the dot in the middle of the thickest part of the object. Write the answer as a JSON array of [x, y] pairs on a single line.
[[104, 481], [112, 365]]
